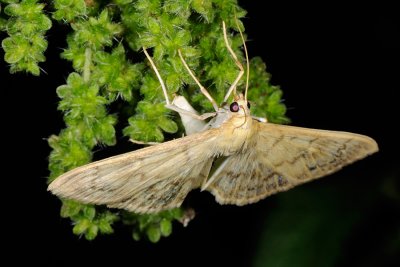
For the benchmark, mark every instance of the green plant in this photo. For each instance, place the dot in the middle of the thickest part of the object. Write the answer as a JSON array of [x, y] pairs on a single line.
[[103, 37]]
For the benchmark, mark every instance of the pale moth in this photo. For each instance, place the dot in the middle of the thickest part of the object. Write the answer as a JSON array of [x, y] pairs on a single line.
[[240, 159]]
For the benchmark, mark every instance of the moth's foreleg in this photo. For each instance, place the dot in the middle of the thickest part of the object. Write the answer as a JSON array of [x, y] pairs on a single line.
[[191, 114], [144, 143], [191, 120], [218, 167], [260, 119]]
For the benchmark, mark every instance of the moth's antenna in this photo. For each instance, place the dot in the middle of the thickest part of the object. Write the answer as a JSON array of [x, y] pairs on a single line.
[[234, 84], [158, 76], [247, 60], [202, 88]]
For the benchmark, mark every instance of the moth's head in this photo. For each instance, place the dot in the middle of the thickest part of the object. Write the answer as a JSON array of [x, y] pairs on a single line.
[[240, 106]]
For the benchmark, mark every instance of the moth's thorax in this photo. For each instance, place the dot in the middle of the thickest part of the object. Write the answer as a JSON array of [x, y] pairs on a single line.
[[235, 135], [236, 131]]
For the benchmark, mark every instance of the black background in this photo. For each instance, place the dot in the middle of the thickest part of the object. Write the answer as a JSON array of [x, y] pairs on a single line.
[[338, 68]]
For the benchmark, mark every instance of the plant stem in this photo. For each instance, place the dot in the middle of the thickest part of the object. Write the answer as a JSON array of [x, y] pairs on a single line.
[[86, 67]]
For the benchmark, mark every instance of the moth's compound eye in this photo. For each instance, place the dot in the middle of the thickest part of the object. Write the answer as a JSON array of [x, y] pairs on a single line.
[[248, 105], [234, 107]]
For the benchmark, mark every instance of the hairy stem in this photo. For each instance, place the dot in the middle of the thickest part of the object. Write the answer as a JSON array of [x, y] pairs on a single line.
[[88, 63]]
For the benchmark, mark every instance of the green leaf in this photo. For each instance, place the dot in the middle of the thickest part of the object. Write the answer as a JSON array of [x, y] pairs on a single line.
[[15, 48], [33, 68], [89, 212], [13, 10], [105, 227], [204, 7], [176, 213], [44, 23], [140, 129], [106, 130], [91, 232], [69, 10], [81, 226], [153, 233], [165, 227], [168, 125], [136, 236], [70, 208], [123, 2], [96, 33]]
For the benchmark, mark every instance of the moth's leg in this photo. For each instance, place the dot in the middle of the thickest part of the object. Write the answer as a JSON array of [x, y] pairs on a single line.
[[221, 166], [241, 72], [191, 114], [202, 89], [260, 119], [144, 143]]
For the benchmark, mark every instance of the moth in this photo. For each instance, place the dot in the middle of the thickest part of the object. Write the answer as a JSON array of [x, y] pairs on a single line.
[[239, 158]]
